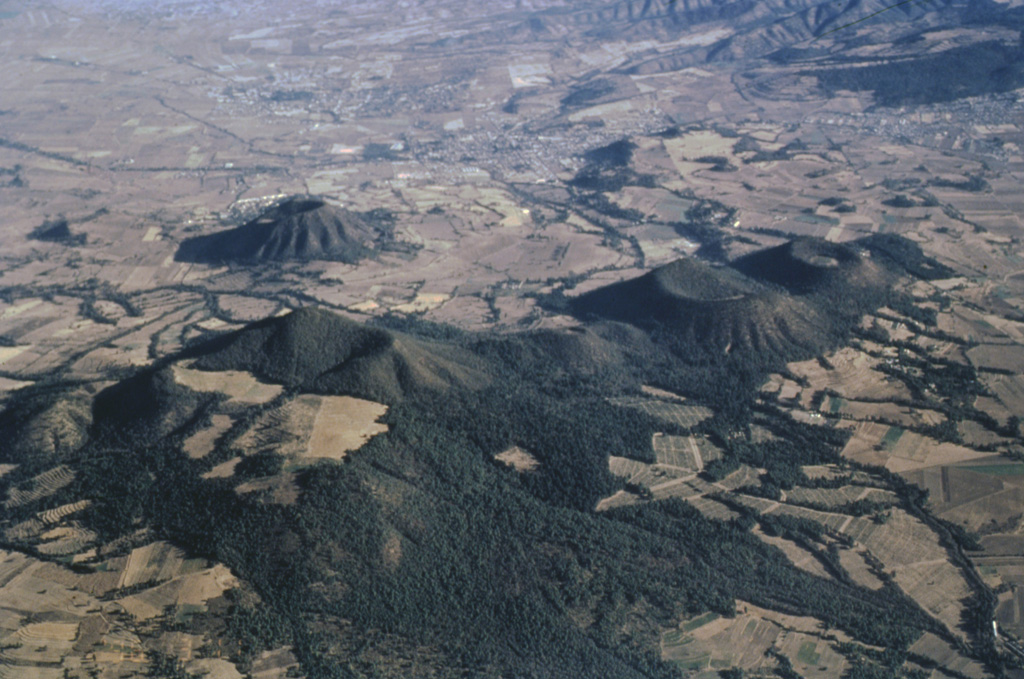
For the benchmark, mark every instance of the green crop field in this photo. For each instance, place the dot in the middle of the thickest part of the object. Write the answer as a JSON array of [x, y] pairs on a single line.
[[892, 436], [997, 469], [808, 653], [699, 622], [697, 663]]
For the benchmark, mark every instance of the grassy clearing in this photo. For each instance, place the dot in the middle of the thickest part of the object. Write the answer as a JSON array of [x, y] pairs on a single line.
[[203, 442], [238, 385], [520, 460], [344, 424]]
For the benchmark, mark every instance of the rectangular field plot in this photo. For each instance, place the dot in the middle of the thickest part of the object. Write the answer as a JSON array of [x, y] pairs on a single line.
[[276, 664], [856, 564], [189, 590], [744, 476], [698, 622], [677, 451], [621, 498], [812, 657], [1009, 612], [837, 497], [913, 451], [246, 309], [1013, 469], [626, 467], [976, 515], [682, 488], [947, 657], [900, 541], [892, 437], [202, 442], [1009, 389], [829, 519], [822, 471], [343, 424], [66, 540], [1006, 356], [708, 450], [882, 412], [808, 653], [153, 563], [712, 509], [758, 504], [310, 427], [683, 416], [643, 474]]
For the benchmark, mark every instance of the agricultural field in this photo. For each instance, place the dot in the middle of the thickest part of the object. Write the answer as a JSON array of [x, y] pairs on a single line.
[[677, 451], [903, 451], [837, 497], [709, 642], [75, 629], [239, 387], [678, 414], [309, 427]]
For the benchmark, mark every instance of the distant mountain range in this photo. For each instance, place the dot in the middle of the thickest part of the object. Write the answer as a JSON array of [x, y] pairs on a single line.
[[854, 44]]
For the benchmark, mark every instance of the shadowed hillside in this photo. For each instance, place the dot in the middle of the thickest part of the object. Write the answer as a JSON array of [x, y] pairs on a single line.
[[45, 425], [780, 303], [320, 351], [57, 231], [711, 309], [300, 228], [807, 265]]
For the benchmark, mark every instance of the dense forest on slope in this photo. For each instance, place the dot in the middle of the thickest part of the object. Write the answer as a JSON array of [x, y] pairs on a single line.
[[421, 550]]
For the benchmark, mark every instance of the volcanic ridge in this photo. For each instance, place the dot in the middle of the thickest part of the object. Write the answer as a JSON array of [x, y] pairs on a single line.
[[782, 301]]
